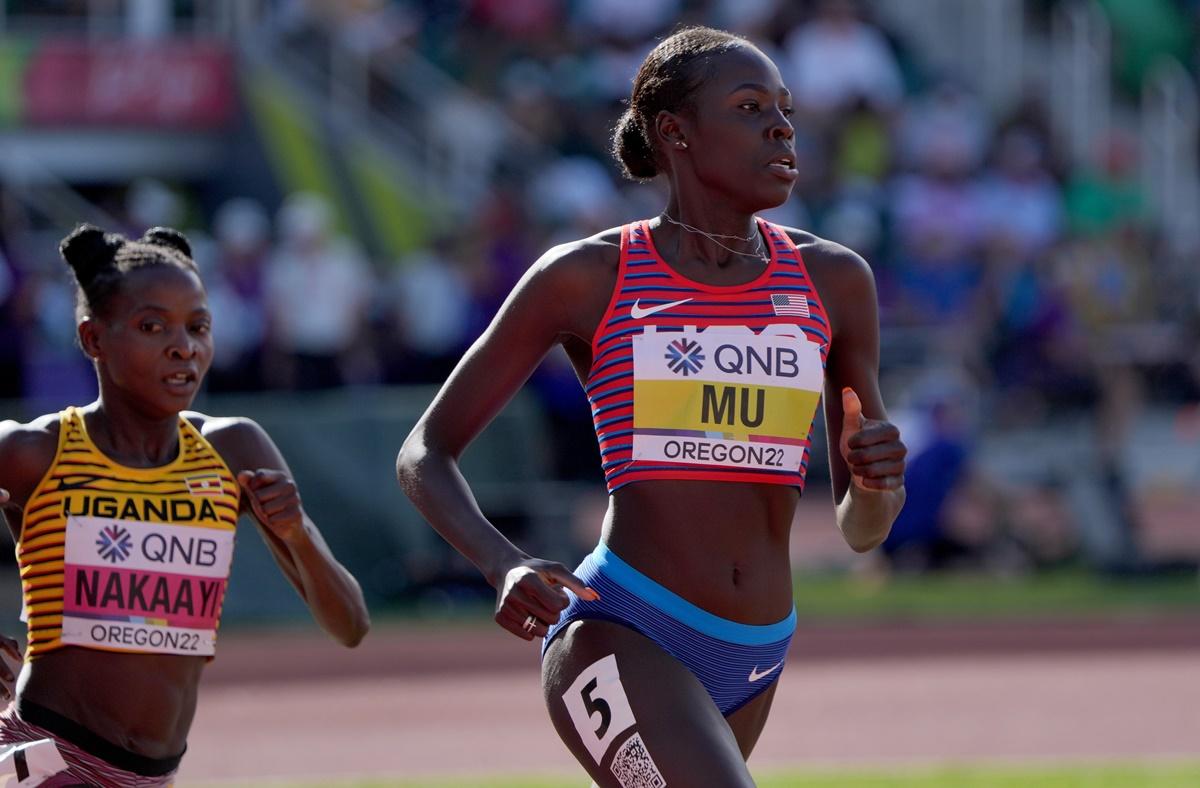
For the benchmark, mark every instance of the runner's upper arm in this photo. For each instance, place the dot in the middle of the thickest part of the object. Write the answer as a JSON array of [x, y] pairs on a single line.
[[26, 452], [847, 288], [243, 444], [530, 322]]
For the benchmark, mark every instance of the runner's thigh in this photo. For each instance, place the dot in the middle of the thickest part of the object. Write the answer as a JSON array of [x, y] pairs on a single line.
[[628, 711], [748, 721]]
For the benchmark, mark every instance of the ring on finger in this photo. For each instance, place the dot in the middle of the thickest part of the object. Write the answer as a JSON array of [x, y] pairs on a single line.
[[530, 622]]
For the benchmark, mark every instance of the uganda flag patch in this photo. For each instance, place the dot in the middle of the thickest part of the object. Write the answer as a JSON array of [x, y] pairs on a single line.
[[204, 484]]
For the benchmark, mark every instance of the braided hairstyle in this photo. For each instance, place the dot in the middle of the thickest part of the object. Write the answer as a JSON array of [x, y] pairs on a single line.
[[101, 261], [668, 78]]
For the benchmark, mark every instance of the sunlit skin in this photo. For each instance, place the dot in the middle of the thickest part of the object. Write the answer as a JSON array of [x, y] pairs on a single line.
[[722, 546], [726, 173], [151, 349]]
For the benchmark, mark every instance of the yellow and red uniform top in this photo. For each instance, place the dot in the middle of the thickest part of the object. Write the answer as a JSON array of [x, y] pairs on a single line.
[[127, 559]]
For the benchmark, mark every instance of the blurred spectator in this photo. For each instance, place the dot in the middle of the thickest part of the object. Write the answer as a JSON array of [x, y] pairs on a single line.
[[467, 139], [1109, 279], [1040, 518], [574, 189], [372, 28], [941, 200], [627, 20], [837, 59], [938, 283], [429, 309], [236, 295], [494, 252], [530, 20], [855, 220], [151, 203], [367, 28], [1020, 199], [10, 331], [750, 18], [939, 432], [317, 289], [864, 147], [575, 454], [148, 19], [1107, 194], [947, 121], [55, 372], [1038, 355]]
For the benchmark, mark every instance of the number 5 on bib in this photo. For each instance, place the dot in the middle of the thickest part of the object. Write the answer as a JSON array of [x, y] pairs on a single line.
[[598, 706]]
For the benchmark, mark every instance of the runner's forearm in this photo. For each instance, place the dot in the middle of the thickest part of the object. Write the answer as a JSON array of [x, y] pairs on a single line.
[[865, 517], [331, 592], [437, 488]]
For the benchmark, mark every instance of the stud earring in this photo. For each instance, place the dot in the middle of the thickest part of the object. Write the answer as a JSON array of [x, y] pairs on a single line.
[[681, 144]]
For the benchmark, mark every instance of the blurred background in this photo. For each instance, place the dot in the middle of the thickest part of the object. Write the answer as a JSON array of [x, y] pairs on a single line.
[[363, 181]]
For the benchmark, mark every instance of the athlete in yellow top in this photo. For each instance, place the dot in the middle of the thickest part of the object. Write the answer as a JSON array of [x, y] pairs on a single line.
[[124, 513]]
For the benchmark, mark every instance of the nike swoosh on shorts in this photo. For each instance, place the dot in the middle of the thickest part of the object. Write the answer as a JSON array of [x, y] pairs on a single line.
[[756, 676]]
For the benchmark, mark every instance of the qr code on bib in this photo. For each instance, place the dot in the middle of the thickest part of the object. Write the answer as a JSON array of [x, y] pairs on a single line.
[[633, 766]]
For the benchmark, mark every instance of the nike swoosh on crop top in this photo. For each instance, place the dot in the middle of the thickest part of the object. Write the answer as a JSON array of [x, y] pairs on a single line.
[[714, 382], [127, 559]]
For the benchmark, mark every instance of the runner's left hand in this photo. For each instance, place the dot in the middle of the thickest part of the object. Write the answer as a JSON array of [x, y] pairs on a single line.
[[275, 501], [871, 448]]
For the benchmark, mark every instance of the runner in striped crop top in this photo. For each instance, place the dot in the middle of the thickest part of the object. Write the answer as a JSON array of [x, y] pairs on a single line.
[[124, 514], [705, 338]]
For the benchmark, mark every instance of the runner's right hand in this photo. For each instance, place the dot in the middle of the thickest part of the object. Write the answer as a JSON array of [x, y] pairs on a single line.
[[534, 588]]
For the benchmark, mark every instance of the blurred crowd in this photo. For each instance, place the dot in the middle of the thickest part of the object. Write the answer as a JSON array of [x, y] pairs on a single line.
[[1016, 289]]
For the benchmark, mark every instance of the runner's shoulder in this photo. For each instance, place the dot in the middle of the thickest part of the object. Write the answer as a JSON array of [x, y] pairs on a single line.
[[834, 268], [579, 269], [26, 452]]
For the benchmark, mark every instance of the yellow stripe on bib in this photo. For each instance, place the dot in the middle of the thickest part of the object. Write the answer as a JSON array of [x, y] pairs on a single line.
[[735, 410]]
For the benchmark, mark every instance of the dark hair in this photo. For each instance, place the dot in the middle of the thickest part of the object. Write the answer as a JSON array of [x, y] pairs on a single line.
[[667, 79], [101, 261]]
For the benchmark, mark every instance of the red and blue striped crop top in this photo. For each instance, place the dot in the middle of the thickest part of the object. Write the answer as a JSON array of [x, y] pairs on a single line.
[[712, 382]]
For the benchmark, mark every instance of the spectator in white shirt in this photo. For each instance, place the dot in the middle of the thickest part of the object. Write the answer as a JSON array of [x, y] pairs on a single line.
[[837, 59], [318, 287]]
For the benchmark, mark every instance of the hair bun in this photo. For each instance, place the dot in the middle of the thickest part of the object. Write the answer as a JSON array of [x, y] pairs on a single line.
[[89, 250], [632, 150], [166, 237]]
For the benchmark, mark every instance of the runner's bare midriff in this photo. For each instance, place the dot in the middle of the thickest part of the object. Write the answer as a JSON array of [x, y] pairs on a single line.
[[143, 703], [724, 548]]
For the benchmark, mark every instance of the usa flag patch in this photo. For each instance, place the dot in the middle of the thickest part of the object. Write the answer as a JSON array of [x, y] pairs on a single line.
[[204, 484], [786, 304]]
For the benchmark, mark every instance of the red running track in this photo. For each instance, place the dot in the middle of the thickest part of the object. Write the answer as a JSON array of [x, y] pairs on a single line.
[[466, 700]]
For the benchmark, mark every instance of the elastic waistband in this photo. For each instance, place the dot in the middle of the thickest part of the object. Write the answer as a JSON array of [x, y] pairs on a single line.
[[93, 744], [682, 610]]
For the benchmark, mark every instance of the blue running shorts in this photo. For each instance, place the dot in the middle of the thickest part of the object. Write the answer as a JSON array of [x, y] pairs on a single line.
[[735, 662]]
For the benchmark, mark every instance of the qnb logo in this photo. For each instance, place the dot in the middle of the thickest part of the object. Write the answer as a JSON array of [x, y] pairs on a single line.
[[685, 357], [114, 543]]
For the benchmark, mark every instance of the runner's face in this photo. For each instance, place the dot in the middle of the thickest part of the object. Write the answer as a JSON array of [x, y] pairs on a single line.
[[740, 138], [155, 343]]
